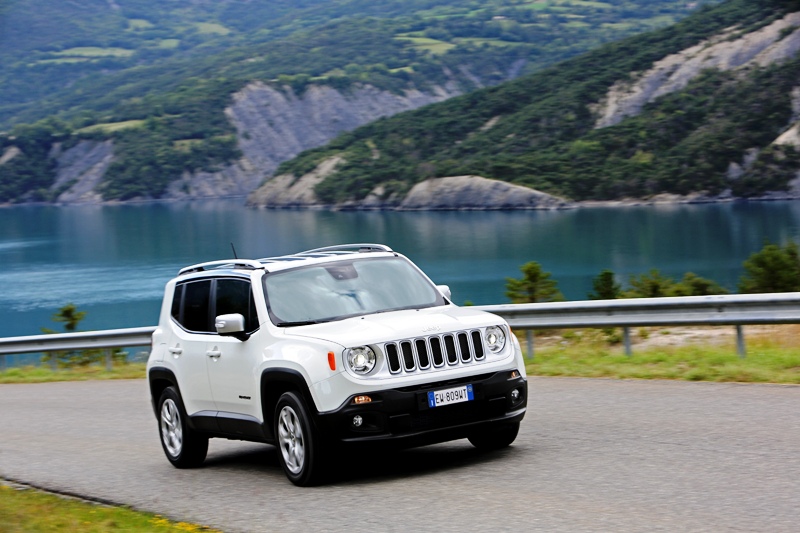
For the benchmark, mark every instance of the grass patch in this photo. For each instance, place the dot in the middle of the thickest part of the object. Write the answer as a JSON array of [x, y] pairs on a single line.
[[434, 46], [770, 359], [477, 41], [27, 510], [140, 24], [95, 51], [112, 126], [169, 44], [213, 28], [43, 374]]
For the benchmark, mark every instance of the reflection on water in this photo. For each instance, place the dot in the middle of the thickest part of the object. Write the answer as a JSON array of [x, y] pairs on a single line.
[[113, 261]]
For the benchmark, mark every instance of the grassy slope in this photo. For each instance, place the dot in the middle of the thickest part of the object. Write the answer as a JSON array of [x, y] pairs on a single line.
[[545, 136], [29, 511], [179, 80]]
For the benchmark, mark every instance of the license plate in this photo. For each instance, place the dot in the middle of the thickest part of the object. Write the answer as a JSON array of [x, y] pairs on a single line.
[[448, 396]]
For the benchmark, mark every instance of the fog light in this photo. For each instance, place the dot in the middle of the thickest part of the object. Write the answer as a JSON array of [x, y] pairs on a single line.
[[357, 421], [362, 399], [514, 374], [515, 395]]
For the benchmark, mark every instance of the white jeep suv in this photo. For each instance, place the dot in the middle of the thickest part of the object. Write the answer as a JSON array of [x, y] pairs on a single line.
[[344, 345]]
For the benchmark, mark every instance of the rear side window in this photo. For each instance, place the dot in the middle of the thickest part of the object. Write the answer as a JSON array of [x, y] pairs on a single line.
[[195, 304], [195, 315]]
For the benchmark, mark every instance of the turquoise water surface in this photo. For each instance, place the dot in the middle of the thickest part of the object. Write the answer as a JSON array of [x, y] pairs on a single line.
[[113, 261]]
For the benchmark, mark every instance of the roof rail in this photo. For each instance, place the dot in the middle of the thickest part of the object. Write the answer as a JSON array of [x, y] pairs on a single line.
[[350, 247], [248, 264]]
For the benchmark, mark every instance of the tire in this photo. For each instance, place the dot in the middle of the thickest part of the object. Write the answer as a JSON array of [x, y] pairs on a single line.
[[495, 437], [300, 450], [184, 447]]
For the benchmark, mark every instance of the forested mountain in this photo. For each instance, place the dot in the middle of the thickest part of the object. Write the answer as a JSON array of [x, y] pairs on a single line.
[[124, 98], [709, 106]]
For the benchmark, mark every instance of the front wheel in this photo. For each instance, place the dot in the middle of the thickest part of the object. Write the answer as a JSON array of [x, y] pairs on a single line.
[[300, 448], [183, 447], [494, 438]]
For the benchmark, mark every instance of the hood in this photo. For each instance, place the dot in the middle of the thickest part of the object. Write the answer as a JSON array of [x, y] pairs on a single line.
[[397, 325]]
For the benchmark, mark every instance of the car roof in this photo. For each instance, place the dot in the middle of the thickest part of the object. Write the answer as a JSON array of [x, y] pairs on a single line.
[[283, 262]]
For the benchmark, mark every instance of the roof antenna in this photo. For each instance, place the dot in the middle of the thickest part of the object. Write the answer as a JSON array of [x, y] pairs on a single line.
[[234, 251]]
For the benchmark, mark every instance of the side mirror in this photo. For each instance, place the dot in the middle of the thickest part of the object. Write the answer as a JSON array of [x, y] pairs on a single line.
[[445, 290], [231, 326]]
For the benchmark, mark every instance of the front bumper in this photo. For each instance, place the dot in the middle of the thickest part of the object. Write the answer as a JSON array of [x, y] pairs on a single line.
[[402, 416]]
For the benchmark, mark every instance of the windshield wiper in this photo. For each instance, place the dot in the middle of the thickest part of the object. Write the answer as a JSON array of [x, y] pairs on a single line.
[[300, 323]]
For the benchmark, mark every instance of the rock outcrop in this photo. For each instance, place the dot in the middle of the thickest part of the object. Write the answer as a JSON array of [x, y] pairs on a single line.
[[770, 44], [288, 191], [475, 192], [80, 169], [450, 193], [274, 124]]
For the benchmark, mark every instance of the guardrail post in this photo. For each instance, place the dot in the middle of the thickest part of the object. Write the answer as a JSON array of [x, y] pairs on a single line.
[[529, 342], [626, 339], [740, 347], [53, 361], [109, 362], [3, 364]]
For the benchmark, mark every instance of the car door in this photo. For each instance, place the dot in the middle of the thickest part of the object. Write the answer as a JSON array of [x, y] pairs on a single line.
[[187, 345], [232, 362]]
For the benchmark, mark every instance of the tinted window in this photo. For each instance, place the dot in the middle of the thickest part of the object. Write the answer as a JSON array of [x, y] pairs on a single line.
[[176, 303], [235, 296], [196, 298]]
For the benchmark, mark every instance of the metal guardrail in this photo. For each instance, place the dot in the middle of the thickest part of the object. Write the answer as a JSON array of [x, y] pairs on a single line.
[[736, 310]]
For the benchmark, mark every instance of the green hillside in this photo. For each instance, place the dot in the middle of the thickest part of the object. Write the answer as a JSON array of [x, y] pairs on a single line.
[[155, 76], [539, 130]]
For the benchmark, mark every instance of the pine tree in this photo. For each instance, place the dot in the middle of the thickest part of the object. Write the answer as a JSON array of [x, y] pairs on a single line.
[[772, 269], [535, 286], [605, 287]]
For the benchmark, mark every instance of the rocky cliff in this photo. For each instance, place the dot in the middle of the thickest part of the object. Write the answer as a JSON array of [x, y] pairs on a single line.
[[274, 124], [80, 170], [451, 193], [727, 51]]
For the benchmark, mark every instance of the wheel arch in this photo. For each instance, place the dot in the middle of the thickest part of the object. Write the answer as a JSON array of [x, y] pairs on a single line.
[[160, 378], [275, 382]]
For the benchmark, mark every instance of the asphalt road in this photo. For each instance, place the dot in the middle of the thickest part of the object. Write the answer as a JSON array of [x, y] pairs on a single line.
[[593, 455]]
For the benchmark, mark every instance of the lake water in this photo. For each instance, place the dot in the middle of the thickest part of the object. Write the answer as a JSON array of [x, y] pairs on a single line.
[[113, 261]]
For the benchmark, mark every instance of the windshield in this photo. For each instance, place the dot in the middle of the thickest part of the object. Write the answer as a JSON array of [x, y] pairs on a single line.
[[322, 293]]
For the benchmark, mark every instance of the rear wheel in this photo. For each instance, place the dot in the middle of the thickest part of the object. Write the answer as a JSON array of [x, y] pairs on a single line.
[[300, 450], [494, 438], [183, 447]]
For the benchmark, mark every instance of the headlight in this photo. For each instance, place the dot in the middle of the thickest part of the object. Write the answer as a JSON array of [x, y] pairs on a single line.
[[361, 359], [495, 338]]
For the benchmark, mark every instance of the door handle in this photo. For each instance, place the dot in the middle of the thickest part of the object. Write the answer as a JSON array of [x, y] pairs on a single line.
[[177, 350], [214, 354]]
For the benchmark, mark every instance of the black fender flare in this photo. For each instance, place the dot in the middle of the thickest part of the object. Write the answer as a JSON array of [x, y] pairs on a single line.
[[159, 378], [276, 381]]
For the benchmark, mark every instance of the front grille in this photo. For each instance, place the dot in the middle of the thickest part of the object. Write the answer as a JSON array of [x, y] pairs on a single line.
[[434, 351]]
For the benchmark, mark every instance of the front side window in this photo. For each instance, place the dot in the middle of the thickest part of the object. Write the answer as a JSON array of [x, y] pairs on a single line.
[[235, 296], [192, 304], [322, 293]]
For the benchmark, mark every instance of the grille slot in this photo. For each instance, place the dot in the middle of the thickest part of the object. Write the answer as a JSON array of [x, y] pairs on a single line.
[[393, 357], [477, 343], [452, 354], [436, 351], [463, 344], [422, 354], [408, 355]]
